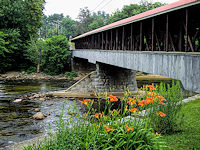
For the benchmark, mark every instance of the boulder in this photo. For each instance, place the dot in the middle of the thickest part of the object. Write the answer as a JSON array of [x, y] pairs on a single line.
[[36, 109], [17, 100], [42, 99], [39, 116]]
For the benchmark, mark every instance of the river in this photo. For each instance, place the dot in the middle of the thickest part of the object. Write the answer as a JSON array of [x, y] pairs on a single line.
[[16, 122]]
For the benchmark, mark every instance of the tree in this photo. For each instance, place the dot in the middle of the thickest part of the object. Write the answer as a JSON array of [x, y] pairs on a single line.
[[84, 19], [9, 44], [57, 55], [99, 19], [68, 27], [19, 20], [133, 9]]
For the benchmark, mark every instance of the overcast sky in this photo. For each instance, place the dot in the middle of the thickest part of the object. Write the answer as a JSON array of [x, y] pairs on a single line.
[[72, 7]]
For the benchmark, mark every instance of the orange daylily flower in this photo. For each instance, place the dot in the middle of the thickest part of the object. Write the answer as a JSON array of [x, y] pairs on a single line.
[[108, 129], [133, 110], [113, 98], [85, 102], [141, 103], [128, 128], [149, 100], [152, 94], [161, 114], [97, 115], [151, 88], [131, 101], [161, 99]]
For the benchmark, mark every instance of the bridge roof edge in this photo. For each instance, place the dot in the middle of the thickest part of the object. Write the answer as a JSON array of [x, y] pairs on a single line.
[[145, 15]]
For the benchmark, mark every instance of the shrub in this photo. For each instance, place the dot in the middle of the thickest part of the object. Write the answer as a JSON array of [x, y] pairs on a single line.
[[52, 54], [173, 119], [57, 55], [71, 75], [31, 70]]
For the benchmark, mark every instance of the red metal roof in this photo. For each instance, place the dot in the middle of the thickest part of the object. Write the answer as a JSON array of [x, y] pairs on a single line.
[[155, 11]]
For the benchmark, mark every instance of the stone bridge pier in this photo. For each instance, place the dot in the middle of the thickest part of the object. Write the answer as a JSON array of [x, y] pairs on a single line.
[[103, 78], [112, 78]]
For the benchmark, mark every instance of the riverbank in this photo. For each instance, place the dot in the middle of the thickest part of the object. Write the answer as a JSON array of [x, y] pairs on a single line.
[[15, 75]]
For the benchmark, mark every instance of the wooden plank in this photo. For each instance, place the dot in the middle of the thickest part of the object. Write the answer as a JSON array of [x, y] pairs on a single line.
[[186, 29], [123, 38], [106, 42], [158, 43], [180, 38], [152, 35], [91, 95], [188, 40], [167, 33], [141, 37], [147, 46], [190, 43], [131, 36], [172, 44], [111, 40], [117, 39], [102, 41]]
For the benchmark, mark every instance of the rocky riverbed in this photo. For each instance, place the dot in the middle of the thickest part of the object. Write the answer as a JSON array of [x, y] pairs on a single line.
[[20, 99]]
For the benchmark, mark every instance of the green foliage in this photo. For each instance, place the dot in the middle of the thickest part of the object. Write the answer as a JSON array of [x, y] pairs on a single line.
[[173, 119], [133, 9], [68, 27], [87, 134], [99, 19], [84, 19], [3, 44], [35, 51], [19, 20], [56, 56], [31, 70], [52, 54], [9, 44], [189, 136], [71, 74]]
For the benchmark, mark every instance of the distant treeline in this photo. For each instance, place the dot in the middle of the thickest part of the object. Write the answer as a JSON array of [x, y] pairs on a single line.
[[87, 20]]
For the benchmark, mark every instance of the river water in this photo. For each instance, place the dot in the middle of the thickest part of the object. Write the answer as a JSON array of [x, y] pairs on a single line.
[[16, 122]]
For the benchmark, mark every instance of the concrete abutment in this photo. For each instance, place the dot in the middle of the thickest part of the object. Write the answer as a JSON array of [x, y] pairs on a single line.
[[103, 78]]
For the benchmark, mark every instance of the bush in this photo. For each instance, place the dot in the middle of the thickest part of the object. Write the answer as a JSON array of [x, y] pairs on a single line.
[[71, 75], [31, 70], [52, 54], [173, 119], [56, 56]]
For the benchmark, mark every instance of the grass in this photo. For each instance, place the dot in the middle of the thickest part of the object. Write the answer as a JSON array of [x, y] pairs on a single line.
[[189, 137]]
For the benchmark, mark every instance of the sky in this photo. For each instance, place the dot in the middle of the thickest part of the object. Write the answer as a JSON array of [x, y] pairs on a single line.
[[72, 7]]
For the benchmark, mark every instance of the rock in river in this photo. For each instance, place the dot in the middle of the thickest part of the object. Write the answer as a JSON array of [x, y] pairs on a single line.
[[17, 100], [36, 109], [39, 116]]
